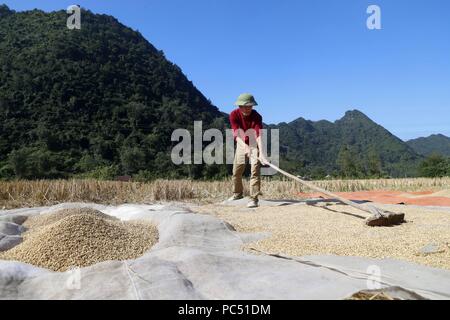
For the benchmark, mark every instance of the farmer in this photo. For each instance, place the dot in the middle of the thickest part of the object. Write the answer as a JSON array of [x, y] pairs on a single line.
[[246, 124]]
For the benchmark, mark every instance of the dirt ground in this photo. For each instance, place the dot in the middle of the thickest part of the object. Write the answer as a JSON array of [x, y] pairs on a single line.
[[423, 198], [330, 228]]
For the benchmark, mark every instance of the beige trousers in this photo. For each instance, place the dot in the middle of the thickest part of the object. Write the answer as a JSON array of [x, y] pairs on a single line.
[[239, 165]]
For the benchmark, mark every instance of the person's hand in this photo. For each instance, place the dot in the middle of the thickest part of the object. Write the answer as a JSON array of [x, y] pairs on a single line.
[[264, 160], [247, 151]]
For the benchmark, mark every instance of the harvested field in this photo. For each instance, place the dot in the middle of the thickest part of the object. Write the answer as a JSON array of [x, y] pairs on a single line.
[[79, 238], [23, 193], [299, 230]]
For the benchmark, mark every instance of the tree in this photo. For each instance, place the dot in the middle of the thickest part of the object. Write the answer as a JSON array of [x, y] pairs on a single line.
[[40, 163], [18, 162], [349, 163], [132, 160], [374, 163], [4, 10], [434, 165], [34, 163], [89, 163]]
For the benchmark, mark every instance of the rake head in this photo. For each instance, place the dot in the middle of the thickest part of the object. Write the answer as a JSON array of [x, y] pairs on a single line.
[[381, 218]]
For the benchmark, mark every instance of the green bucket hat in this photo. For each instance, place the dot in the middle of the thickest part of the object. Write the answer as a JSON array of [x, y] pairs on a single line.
[[246, 99]]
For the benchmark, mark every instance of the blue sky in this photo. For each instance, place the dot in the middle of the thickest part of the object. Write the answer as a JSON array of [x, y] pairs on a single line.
[[313, 59]]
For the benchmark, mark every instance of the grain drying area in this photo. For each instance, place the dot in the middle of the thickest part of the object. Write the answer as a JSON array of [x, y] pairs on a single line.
[[304, 247], [334, 229]]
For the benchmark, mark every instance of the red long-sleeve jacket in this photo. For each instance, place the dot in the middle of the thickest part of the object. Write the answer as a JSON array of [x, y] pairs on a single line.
[[252, 121]]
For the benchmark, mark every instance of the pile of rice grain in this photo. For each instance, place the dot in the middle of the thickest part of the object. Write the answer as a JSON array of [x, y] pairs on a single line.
[[79, 238]]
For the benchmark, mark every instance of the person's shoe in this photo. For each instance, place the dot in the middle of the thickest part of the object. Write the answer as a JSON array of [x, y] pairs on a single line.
[[236, 197], [252, 204]]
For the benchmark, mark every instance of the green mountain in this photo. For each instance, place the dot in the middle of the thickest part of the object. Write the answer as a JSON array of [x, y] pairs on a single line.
[[436, 143], [353, 146], [101, 99], [102, 102]]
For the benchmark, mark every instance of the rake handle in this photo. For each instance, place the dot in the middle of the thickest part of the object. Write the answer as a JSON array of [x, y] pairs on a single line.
[[312, 186]]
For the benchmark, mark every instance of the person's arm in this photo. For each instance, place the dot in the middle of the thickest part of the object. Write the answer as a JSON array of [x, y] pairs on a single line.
[[262, 155], [243, 145]]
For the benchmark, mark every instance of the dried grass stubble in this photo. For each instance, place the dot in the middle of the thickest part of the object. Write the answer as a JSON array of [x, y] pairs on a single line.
[[79, 238]]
